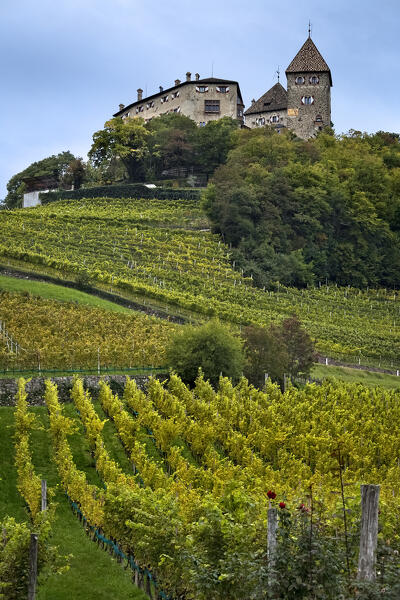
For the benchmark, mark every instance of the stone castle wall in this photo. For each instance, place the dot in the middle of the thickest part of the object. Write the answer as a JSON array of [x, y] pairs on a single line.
[[302, 118]]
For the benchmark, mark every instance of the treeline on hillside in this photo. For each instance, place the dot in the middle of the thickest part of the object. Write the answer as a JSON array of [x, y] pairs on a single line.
[[302, 212], [133, 151]]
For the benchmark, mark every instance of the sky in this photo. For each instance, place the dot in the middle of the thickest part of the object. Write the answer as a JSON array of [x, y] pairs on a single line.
[[66, 65]]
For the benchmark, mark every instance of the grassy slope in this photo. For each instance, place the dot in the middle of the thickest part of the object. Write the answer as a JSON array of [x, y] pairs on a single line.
[[93, 574], [368, 378], [51, 291]]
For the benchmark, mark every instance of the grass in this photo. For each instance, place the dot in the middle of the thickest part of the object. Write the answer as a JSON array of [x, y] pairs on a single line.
[[349, 375], [93, 574], [51, 291]]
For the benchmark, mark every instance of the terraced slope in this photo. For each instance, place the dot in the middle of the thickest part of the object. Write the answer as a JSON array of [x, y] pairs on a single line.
[[158, 251]]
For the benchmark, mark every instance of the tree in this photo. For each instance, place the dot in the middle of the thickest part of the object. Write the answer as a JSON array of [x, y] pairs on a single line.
[[125, 139], [170, 142], [265, 353], [55, 166], [75, 173], [213, 142], [299, 346], [285, 348], [211, 347], [300, 211]]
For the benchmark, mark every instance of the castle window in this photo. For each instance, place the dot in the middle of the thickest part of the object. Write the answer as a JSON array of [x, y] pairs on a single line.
[[177, 109], [164, 99], [175, 94], [260, 121], [239, 112], [202, 89], [314, 79], [202, 124], [307, 100], [150, 104], [318, 119], [211, 106], [139, 109], [299, 80], [222, 89], [274, 119]]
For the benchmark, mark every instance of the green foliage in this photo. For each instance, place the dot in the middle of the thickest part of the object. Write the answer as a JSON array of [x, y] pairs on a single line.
[[133, 190], [56, 166], [160, 251], [213, 142], [211, 347], [169, 141], [301, 211], [124, 139], [265, 354]]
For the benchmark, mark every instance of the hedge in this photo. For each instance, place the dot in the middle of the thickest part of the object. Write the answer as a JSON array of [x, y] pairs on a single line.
[[130, 190]]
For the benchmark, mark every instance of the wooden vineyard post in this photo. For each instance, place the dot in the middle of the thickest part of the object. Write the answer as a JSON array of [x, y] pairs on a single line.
[[271, 543], [369, 532], [33, 554], [44, 494]]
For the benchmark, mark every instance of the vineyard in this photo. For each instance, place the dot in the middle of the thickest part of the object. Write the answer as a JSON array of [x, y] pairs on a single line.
[[186, 503], [160, 252], [45, 334]]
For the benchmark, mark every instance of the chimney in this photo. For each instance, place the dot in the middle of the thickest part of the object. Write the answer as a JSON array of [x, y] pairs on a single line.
[[121, 106], [161, 89], [177, 81], [253, 101], [188, 76], [197, 76], [139, 94]]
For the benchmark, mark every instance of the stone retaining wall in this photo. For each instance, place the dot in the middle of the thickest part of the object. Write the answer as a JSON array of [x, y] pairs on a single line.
[[35, 387]]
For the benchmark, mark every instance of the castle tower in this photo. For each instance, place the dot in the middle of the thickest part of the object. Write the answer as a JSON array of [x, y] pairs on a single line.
[[309, 82]]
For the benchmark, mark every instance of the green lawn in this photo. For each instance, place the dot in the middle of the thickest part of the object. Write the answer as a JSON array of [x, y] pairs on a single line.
[[369, 378], [93, 574], [51, 291]]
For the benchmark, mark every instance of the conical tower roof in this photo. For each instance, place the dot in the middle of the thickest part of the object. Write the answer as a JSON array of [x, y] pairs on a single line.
[[274, 99], [309, 60]]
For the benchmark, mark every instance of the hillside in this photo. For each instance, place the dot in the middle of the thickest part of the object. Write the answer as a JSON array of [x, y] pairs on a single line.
[[160, 252], [203, 461]]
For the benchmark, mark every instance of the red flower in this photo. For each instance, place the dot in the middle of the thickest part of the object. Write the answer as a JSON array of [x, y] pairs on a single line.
[[271, 495], [301, 507], [282, 505]]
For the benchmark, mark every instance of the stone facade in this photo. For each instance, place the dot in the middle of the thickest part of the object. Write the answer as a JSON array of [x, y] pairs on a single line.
[[202, 100], [305, 108], [305, 120]]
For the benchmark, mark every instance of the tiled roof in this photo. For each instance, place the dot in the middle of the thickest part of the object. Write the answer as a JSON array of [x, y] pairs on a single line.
[[274, 99], [308, 60]]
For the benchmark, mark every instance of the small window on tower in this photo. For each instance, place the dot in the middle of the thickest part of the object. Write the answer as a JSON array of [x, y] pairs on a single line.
[[307, 100], [314, 79], [299, 80], [318, 119]]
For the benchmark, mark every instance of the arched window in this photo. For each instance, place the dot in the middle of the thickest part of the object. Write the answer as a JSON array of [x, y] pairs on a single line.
[[318, 119], [307, 100], [274, 119], [314, 79], [299, 80]]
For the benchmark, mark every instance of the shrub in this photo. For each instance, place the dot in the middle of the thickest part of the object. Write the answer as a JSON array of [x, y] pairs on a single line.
[[211, 347]]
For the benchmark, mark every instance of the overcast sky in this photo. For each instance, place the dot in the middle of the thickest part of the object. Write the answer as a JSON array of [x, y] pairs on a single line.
[[65, 65]]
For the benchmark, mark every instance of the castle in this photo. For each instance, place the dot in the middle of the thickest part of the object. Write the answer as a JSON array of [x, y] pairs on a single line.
[[304, 108]]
